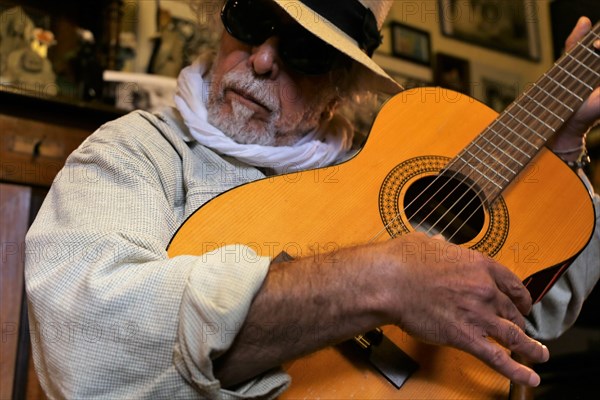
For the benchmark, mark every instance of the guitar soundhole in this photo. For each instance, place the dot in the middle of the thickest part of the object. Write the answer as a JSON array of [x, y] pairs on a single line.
[[446, 206]]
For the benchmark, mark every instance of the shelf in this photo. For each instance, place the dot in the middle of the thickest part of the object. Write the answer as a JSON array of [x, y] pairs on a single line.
[[63, 110]]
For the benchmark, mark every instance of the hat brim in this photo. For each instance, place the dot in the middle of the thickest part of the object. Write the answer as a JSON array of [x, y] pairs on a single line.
[[331, 34]]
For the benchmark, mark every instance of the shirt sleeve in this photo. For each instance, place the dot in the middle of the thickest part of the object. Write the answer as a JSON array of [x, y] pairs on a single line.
[[111, 315], [211, 318], [559, 308]]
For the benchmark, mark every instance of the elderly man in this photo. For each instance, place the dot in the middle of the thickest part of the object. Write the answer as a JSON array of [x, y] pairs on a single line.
[[129, 322]]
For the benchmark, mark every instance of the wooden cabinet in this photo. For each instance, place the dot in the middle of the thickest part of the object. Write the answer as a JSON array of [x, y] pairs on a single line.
[[36, 136], [33, 152], [14, 213]]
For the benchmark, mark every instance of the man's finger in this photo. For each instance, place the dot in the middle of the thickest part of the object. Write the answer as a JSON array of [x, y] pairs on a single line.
[[509, 284], [582, 27], [508, 311], [499, 359], [516, 340]]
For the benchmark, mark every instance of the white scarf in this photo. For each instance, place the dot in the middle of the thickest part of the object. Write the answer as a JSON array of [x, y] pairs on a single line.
[[319, 148]]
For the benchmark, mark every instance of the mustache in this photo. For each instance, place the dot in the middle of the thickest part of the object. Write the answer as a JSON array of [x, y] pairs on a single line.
[[246, 83]]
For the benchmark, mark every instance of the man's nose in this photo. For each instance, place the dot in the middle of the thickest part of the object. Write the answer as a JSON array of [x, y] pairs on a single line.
[[265, 58]]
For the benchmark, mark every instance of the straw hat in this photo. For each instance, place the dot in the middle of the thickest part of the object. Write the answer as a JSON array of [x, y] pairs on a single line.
[[351, 26]]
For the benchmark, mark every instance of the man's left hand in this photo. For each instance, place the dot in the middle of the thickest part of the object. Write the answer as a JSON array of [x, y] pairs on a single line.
[[572, 134]]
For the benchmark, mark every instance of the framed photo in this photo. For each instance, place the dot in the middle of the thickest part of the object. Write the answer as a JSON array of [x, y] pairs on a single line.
[[168, 36], [408, 82], [452, 73], [507, 26], [410, 43], [495, 87], [406, 73], [175, 45], [498, 95]]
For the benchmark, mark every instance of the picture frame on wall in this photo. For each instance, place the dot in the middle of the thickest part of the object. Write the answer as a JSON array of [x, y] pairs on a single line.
[[406, 73], [168, 37], [176, 43], [453, 73], [410, 43], [498, 95], [409, 82], [507, 26], [495, 87]]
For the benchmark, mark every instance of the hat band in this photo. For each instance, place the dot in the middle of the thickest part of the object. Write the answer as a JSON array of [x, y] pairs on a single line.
[[354, 19]]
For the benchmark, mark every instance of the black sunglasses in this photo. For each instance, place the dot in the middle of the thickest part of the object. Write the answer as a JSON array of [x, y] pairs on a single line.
[[254, 21]]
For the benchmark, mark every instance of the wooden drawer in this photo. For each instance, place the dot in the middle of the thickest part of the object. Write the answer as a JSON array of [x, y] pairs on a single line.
[[33, 152]]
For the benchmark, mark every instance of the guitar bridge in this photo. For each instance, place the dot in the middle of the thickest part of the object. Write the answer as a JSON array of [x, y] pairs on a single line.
[[388, 359]]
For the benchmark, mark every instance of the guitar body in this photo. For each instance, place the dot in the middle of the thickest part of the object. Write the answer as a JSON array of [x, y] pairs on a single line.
[[540, 223]]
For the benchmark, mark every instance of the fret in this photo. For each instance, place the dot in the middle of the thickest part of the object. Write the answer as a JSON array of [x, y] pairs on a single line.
[[590, 51], [499, 150], [504, 152], [582, 64], [528, 122], [543, 107], [479, 172], [509, 154], [495, 172], [574, 77], [516, 133], [493, 157], [553, 97], [531, 115], [562, 86]]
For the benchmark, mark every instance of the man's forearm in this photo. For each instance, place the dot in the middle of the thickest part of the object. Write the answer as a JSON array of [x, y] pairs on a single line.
[[305, 305]]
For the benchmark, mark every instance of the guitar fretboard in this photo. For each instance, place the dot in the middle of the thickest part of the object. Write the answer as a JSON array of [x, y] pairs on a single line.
[[505, 147]]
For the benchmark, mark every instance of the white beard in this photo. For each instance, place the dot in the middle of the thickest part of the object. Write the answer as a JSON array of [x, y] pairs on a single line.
[[236, 120]]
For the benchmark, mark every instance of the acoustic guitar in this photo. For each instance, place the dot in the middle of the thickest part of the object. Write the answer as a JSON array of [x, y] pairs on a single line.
[[439, 162]]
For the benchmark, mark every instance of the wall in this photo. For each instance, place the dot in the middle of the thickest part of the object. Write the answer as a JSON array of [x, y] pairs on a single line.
[[424, 14]]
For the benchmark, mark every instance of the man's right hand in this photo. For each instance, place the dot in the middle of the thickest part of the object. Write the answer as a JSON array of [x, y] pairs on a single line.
[[449, 295]]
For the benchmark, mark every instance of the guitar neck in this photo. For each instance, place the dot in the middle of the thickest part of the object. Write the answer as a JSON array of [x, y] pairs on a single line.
[[507, 145]]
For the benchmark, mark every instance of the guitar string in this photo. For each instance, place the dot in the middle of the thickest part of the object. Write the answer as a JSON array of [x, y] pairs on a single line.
[[533, 94], [479, 206], [508, 154], [480, 148], [484, 137], [539, 86], [562, 93], [461, 197]]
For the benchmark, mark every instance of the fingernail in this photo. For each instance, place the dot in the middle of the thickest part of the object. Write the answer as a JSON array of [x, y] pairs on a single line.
[[534, 379]]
